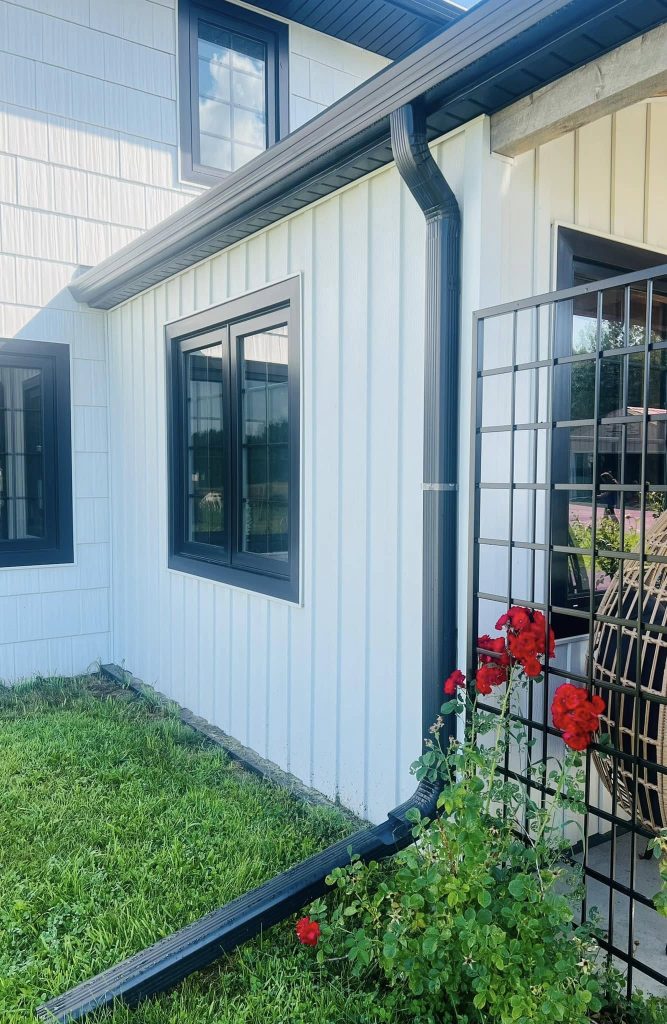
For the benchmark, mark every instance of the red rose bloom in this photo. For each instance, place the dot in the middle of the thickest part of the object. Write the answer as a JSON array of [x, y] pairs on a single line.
[[532, 667], [308, 931], [496, 645], [489, 676], [456, 679], [576, 714], [516, 618]]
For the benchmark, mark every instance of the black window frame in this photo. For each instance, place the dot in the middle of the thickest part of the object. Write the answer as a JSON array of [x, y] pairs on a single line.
[[56, 547], [574, 245], [228, 323], [275, 36]]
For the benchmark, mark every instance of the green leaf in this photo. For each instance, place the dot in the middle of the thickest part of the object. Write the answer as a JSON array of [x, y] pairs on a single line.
[[517, 887]]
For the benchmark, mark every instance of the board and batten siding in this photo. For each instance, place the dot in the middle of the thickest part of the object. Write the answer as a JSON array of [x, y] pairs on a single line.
[[329, 689]]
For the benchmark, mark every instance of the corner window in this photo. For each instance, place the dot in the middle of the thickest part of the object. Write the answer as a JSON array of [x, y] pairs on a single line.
[[35, 454], [616, 465], [233, 87], [234, 454]]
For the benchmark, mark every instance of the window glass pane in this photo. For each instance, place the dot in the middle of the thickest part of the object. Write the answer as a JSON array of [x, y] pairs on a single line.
[[618, 459], [232, 97], [215, 118], [265, 444], [21, 454], [206, 446], [216, 152]]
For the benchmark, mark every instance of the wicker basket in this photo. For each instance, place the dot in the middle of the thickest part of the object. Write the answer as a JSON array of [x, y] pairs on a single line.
[[619, 718]]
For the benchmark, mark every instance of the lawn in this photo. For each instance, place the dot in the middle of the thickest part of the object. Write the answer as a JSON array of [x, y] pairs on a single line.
[[118, 824]]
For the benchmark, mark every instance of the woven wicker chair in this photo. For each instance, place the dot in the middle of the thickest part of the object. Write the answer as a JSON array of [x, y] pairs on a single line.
[[612, 666]]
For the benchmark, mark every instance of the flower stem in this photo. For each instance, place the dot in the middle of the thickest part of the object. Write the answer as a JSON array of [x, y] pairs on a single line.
[[502, 717]]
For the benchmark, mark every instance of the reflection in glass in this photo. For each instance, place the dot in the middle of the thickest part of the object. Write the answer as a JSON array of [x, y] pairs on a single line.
[[206, 446], [232, 98], [617, 464], [265, 444], [21, 454]]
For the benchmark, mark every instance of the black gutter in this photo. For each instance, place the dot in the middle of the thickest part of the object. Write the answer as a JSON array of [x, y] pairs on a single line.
[[491, 56], [430, 189], [197, 945]]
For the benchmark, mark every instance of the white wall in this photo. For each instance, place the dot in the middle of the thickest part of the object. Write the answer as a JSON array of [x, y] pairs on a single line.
[[331, 689], [89, 160]]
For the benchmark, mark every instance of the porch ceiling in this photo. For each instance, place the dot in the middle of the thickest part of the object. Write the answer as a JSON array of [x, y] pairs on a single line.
[[492, 56]]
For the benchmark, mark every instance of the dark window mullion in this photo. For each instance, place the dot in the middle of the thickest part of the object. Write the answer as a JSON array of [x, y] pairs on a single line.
[[235, 449], [227, 421]]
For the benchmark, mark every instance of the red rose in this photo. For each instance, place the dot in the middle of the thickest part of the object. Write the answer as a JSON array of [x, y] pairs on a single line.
[[456, 679], [516, 617], [532, 667], [489, 676], [308, 931], [576, 714]]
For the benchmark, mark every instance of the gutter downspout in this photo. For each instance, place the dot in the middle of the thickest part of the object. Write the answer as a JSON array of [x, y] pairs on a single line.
[[438, 203]]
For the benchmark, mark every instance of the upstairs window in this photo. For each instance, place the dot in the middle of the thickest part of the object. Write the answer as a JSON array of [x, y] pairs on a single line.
[[234, 465], [35, 454], [233, 87]]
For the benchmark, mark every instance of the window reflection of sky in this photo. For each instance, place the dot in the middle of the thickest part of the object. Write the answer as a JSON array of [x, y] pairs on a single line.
[[232, 98]]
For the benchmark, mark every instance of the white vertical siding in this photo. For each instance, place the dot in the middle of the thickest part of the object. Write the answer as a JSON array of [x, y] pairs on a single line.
[[329, 689]]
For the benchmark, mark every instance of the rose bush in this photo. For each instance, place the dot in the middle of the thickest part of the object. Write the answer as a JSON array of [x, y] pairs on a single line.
[[475, 923]]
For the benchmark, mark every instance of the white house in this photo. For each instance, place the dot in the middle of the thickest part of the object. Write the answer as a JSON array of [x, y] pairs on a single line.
[[236, 383]]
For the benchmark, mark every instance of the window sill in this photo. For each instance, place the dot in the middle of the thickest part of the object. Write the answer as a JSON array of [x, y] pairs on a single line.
[[276, 587]]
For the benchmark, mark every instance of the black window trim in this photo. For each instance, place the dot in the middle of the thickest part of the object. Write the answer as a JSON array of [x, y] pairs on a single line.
[[236, 569], [572, 244], [57, 546], [274, 33]]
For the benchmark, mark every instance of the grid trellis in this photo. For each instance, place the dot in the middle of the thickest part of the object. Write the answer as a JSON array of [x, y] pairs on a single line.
[[569, 512]]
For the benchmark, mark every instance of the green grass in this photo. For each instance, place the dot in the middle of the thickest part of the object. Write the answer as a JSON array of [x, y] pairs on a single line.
[[117, 825]]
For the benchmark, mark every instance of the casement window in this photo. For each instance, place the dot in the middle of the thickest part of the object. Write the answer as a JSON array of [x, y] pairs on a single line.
[[585, 258], [35, 454], [234, 452], [233, 66]]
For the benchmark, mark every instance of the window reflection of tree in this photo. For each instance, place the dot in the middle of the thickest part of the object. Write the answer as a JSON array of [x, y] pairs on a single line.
[[619, 445]]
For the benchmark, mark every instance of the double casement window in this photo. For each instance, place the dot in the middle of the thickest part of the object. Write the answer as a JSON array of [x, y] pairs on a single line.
[[233, 87], [35, 454], [234, 453]]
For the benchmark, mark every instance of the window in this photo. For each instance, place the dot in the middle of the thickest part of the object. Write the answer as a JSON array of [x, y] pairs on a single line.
[[233, 87], [234, 424], [35, 454], [585, 258]]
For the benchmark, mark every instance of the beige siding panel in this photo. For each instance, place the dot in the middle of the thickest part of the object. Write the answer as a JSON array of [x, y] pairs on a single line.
[[629, 172], [593, 175], [555, 201], [656, 176]]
